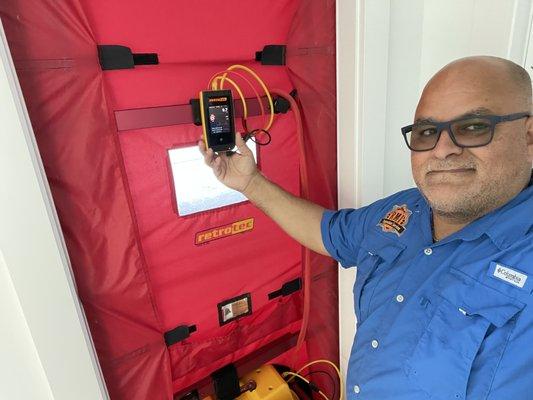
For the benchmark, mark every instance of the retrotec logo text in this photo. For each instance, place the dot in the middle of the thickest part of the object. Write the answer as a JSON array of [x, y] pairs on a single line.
[[220, 232]]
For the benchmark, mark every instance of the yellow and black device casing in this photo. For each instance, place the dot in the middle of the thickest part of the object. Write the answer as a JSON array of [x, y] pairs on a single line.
[[270, 385], [218, 135]]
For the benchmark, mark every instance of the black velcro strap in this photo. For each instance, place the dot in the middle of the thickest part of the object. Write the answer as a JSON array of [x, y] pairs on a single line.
[[115, 57], [281, 105], [272, 54], [196, 112], [226, 383], [145, 59], [178, 334], [120, 57], [287, 288]]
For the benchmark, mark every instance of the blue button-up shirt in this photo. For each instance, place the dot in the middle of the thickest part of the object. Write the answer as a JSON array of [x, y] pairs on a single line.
[[445, 320]]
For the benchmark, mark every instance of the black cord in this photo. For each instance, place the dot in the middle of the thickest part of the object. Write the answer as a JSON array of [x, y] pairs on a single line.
[[253, 133], [330, 378]]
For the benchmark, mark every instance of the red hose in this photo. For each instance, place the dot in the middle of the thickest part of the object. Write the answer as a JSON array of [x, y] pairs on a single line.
[[306, 265]]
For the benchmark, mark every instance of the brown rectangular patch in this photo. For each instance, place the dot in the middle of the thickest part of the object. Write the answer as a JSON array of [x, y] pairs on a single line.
[[235, 308]]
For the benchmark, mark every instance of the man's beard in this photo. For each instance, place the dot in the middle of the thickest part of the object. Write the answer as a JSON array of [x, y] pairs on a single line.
[[464, 207], [471, 203]]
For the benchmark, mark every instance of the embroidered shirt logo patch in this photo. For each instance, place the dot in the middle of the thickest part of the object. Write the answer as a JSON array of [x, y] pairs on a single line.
[[396, 219], [509, 275]]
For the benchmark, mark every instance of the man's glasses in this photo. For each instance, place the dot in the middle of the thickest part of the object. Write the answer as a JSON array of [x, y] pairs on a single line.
[[471, 131]]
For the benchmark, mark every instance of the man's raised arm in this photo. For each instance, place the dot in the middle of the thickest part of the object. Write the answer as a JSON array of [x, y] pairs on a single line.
[[298, 217]]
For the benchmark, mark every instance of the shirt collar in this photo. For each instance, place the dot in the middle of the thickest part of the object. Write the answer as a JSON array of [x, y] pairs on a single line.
[[503, 226], [513, 220]]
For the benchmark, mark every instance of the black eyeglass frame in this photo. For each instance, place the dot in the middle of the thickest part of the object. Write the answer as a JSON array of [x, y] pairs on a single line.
[[446, 125]]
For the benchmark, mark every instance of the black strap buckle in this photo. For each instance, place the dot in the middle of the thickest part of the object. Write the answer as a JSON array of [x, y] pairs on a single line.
[[113, 56], [272, 54], [287, 289], [178, 334]]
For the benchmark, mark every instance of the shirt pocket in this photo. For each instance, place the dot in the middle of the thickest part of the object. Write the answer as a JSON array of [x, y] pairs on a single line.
[[379, 250], [441, 362]]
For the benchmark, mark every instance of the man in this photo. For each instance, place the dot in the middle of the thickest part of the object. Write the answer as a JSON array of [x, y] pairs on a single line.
[[445, 271]]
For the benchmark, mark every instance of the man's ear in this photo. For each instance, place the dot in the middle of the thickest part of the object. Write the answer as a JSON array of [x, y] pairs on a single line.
[[529, 138]]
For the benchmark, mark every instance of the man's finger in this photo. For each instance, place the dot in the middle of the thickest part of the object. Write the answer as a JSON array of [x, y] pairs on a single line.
[[241, 145], [201, 147], [209, 157], [218, 167]]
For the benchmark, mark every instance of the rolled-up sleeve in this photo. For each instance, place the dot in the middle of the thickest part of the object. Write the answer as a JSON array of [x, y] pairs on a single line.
[[342, 231]]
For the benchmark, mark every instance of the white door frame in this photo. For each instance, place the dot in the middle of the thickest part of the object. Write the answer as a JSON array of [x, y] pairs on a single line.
[[33, 249], [362, 70]]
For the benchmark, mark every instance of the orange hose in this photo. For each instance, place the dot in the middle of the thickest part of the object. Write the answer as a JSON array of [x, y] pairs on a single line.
[[244, 79], [212, 85], [304, 181]]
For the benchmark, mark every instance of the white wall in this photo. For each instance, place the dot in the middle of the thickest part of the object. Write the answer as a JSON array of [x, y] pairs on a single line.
[[45, 349], [387, 50], [21, 373]]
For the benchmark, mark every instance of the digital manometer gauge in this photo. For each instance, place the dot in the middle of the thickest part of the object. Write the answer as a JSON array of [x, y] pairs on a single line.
[[216, 107]]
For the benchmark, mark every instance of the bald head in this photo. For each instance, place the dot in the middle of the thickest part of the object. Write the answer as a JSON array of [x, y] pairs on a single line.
[[503, 78], [518, 77]]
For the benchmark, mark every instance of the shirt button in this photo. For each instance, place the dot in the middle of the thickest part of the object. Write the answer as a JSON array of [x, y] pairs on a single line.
[[428, 251], [375, 344], [400, 298], [356, 389]]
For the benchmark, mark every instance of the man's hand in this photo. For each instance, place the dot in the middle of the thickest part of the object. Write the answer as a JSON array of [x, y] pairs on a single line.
[[235, 171]]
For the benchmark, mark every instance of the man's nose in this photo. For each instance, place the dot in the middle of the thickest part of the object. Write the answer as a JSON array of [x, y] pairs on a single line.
[[445, 146]]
